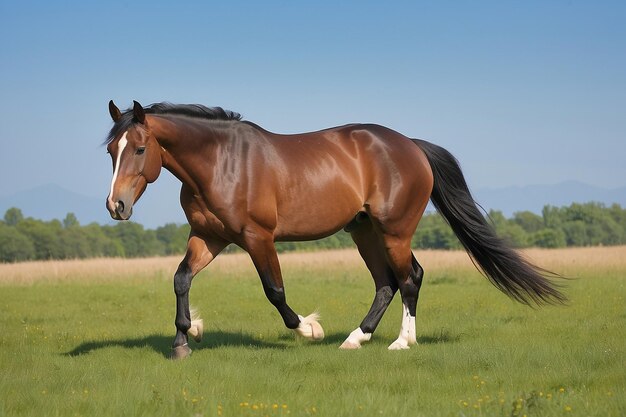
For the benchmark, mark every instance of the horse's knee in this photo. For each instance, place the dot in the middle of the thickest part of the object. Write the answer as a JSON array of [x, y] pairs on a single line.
[[182, 280]]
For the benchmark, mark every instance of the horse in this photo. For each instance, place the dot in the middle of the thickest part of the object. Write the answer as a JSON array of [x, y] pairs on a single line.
[[244, 185]]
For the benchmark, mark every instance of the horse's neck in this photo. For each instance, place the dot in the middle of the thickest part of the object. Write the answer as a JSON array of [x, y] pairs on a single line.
[[180, 143]]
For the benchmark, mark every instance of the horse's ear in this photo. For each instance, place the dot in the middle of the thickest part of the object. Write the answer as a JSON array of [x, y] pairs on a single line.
[[139, 113], [115, 113]]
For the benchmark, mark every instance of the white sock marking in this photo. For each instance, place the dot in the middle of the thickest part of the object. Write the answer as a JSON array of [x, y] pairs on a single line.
[[407, 335], [355, 339]]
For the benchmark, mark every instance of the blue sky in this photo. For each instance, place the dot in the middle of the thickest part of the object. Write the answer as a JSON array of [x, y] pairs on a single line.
[[521, 92]]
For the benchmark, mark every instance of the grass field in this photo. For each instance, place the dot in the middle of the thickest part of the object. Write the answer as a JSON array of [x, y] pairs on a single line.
[[90, 338]]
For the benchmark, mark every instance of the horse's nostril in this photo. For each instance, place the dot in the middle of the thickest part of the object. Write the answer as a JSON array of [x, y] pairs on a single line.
[[119, 206]]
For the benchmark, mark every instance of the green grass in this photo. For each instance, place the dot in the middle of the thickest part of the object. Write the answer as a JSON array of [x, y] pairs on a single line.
[[99, 348]]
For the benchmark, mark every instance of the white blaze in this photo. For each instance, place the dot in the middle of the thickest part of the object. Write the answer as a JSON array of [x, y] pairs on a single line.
[[120, 148]]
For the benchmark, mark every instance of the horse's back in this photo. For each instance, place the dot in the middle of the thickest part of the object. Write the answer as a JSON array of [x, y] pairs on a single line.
[[350, 147]]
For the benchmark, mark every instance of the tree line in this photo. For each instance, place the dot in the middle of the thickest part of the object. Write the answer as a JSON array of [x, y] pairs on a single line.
[[23, 239]]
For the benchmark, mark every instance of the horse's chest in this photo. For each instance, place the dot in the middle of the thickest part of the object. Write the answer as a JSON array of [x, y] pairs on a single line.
[[200, 218]]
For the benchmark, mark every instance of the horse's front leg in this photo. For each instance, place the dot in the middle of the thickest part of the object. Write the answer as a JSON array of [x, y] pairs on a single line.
[[263, 253], [200, 252]]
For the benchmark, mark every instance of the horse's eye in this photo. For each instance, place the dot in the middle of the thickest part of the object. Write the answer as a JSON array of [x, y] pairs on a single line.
[[140, 150]]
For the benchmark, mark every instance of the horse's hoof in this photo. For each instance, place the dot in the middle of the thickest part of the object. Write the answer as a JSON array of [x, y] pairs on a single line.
[[309, 328], [197, 326], [180, 352], [196, 330], [317, 332], [355, 339], [347, 345], [398, 346]]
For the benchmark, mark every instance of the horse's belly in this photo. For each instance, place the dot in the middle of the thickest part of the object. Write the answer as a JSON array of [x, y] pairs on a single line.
[[316, 216]]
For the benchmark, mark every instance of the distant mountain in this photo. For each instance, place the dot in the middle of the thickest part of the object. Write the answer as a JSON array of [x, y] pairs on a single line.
[[160, 205], [51, 201]]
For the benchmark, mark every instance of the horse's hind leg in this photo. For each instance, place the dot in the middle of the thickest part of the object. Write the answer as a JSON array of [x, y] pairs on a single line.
[[409, 290], [409, 274], [200, 253], [261, 248], [371, 249]]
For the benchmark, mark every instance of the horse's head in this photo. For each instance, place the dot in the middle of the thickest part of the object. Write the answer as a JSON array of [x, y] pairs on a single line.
[[136, 157]]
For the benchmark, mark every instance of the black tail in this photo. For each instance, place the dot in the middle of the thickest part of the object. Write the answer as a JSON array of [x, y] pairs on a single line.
[[503, 266]]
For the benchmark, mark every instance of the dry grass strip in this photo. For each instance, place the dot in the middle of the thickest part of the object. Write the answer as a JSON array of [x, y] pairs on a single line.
[[566, 261]]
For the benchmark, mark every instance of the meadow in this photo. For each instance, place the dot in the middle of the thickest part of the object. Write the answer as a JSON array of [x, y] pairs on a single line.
[[91, 338]]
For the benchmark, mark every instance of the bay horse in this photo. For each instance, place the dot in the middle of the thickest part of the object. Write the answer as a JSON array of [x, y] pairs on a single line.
[[242, 184]]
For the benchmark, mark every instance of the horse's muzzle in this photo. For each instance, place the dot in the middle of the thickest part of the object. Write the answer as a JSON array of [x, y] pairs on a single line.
[[119, 210]]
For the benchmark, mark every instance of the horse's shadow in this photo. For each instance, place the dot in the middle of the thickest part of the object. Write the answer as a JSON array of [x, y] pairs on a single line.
[[162, 344]]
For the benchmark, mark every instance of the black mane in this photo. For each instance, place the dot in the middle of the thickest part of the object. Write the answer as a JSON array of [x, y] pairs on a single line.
[[189, 110]]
